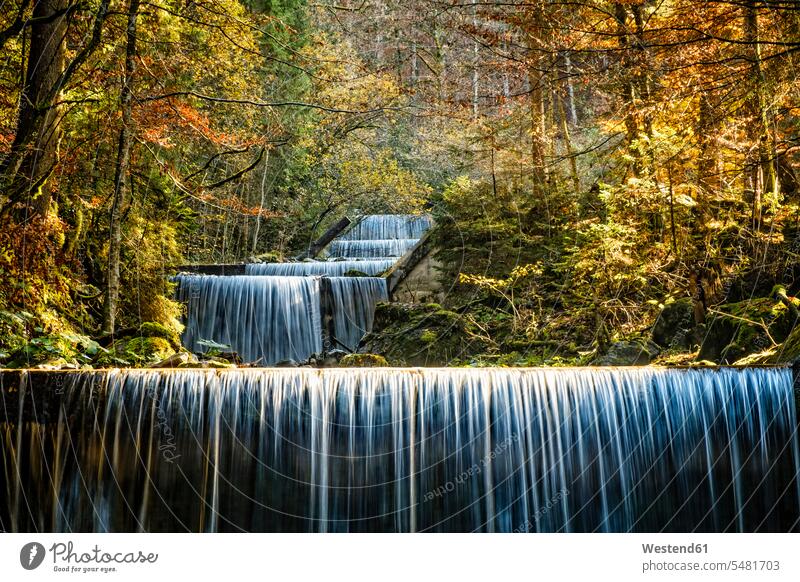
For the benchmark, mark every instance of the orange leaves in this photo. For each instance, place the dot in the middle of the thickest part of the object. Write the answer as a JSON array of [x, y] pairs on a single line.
[[30, 276], [161, 122]]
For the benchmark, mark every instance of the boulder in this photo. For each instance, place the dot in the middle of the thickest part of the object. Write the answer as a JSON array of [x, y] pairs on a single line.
[[176, 360], [421, 335], [628, 353], [673, 328], [737, 330]]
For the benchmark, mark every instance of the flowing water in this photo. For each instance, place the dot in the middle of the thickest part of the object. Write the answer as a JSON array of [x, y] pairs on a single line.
[[384, 226], [275, 313], [551, 450], [354, 300], [368, 249], [263, 319], [330, 268]]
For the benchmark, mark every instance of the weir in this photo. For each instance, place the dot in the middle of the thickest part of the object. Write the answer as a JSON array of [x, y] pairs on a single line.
[[455, 450], [369, 249], [274, 312], [329, 268]]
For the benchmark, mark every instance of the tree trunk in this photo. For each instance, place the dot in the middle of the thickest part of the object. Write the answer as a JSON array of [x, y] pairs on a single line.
[[536, 82], [475, 55], [569, 150], [628, 88], [121, 174], [573, 110], [761, 162], [34, 151]]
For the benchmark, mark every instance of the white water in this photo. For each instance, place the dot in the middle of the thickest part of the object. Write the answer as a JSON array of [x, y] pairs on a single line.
[[330, 268], [385, 226], [355, 299], [368, 249], [274, 312], [552, 450], [263, 319]]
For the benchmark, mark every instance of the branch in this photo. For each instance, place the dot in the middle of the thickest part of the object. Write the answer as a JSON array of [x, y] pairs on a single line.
[[211, 160], [264, 103], [97, 29], [238, 174]]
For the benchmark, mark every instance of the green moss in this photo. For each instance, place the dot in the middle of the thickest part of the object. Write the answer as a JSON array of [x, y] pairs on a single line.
[[13, 331], [422, 335], [363, 361], [391, 313], [149, 348], [268, 257], [55, 350], [785, 353], [136, 351], [748, 327], [428, 336], [157, 330]]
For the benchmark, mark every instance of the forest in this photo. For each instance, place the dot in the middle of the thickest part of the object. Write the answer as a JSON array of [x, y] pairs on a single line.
[[611, 182]]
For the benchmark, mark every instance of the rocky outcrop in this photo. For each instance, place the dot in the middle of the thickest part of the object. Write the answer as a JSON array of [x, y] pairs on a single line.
[[736, 330], [420, 335]]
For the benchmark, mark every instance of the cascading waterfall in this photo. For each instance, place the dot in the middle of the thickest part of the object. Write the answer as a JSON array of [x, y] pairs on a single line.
[[385, 226], [328, 268], [263, 319], [370, 249], [458, 450], [354, 300], [274, 312]]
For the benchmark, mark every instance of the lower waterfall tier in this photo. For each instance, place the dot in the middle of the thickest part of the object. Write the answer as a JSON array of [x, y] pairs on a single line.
[[455, 450]]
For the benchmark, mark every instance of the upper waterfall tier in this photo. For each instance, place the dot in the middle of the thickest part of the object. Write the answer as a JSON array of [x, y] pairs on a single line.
[[391, 247], [385, 226], [276, 311], [268, 319], [335, 268]]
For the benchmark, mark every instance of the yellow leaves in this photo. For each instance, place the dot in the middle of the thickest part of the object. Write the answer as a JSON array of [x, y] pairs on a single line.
[[343, 81], [381, 177], [517, 275]]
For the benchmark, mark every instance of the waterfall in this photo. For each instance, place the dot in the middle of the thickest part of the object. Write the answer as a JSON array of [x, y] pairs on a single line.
[[354, 301], [329, 268], [456, 450], [263, 319], [366, 249], [275, 311], [385, 226]]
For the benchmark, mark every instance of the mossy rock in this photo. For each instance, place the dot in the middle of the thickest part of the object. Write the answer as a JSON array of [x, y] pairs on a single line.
[[785, 353], [387, 314], [789, 350], [628, 353], [363, 361], [355, 273], [267, 257], [673, 328], [150, 348], [737, 330], [56, 350], [13, 331], [428, 336], [421, 335], [137, 351], [157, 330]]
